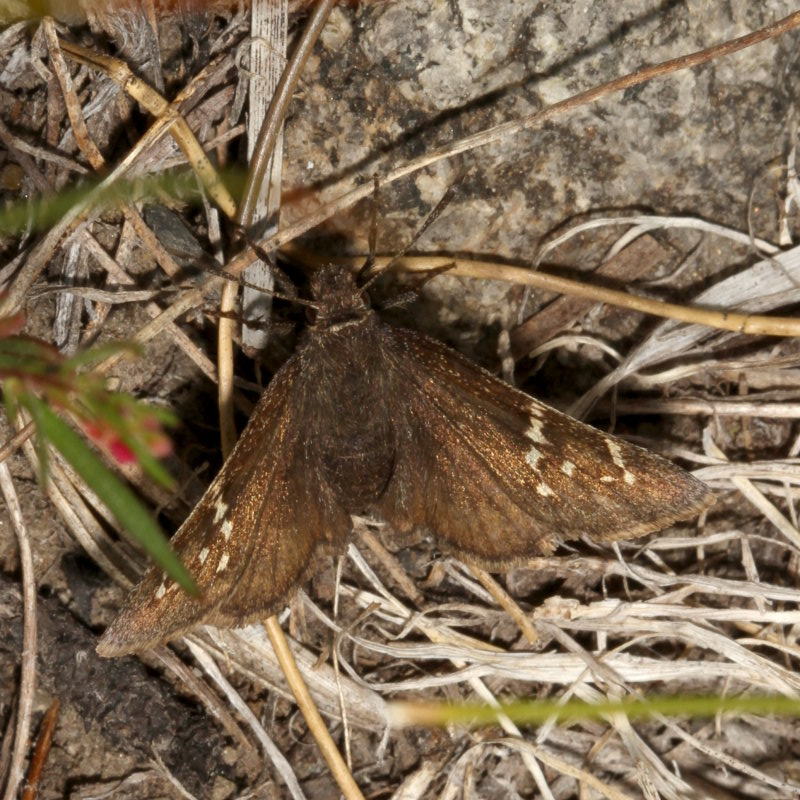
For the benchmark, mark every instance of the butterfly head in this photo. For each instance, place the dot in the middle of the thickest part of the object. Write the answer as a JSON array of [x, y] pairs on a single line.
[[338, 300]]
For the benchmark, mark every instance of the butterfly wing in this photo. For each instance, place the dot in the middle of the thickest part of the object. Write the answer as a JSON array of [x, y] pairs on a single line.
[[499, 476], [251, 539]]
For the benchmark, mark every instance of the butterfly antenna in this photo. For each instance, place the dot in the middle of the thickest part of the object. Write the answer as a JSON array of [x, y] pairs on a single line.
[[432, 216], [418, 280], [369, 263], [281, 278], [289, 298]]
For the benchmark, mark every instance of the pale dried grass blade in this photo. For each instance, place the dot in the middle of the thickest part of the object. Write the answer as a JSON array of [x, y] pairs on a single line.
[[755, 497], [267, 59], [282, 766], [768, 284], [27, 683], [565, 768], [249, 650]]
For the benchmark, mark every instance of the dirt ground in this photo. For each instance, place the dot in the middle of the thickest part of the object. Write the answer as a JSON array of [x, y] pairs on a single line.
[[702, 160]]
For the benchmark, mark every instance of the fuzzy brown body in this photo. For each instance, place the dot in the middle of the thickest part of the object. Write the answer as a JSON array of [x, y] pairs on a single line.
[[366, 417], [352, 447]]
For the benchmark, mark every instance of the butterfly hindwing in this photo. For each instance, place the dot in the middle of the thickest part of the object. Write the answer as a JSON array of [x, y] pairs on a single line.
[[268, 494], [500, 477]]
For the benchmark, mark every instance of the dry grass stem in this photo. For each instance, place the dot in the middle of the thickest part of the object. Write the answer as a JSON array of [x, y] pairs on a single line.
[[225, 330], [16, 441], [177, 787], [416, 785], [269, 34], [722, 320], [392, 565], [85, 142], [305, 703], [642, 224], [167, 114], [712, 408], [27, 671]]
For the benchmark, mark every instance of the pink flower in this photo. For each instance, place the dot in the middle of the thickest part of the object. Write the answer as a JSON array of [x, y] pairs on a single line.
[[107, 439]]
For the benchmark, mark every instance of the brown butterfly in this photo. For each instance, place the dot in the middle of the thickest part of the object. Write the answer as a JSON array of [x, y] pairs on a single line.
[[367, 417]]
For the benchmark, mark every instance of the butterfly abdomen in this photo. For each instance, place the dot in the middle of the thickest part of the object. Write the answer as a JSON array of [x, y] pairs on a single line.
[[351, 440]]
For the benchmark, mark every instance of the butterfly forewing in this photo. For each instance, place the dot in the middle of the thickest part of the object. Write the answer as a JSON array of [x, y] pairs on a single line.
[[501, 477], [266, 493]]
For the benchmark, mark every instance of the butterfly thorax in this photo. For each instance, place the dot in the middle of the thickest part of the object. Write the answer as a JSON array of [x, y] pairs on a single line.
[[339, 301]]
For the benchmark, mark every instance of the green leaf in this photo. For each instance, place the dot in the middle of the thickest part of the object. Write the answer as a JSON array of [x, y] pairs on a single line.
[[11, 389], [28, 346], [100, 353], [121, 501], [43, 212]]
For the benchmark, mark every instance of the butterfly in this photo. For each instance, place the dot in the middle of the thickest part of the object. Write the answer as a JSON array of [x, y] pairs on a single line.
[[370, 418]]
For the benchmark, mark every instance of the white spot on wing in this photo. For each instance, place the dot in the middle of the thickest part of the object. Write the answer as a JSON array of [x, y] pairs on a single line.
[[535, 434], [536, 410], [227, 529], [532, 457], [223, 562], [220, 509], [544, 490], [607, 479], [616, 456], [568, 468], [203, 555], [616, 453], [161, 591]]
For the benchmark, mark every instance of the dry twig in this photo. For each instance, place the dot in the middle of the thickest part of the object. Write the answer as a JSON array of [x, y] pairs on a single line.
[[42, 750]]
